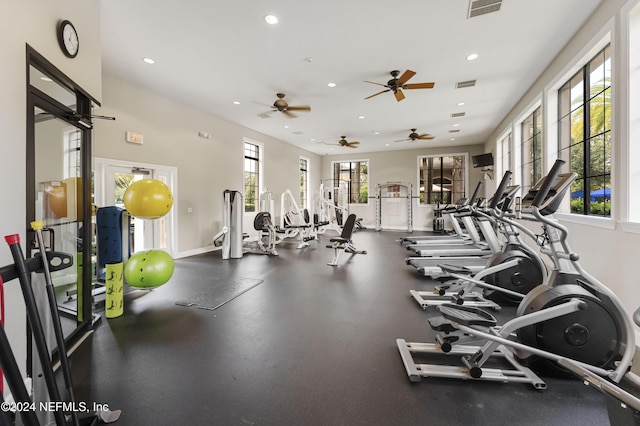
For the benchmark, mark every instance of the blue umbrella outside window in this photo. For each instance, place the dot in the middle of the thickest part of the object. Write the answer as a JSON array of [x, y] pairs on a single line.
[[600, 193]]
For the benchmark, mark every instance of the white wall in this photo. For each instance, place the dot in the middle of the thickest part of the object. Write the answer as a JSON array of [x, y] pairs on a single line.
[[34, 22], [607, 251], [400, 166], [206, 167]]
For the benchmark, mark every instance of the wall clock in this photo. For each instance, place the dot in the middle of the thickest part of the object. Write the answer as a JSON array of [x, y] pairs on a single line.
[[68, 39]]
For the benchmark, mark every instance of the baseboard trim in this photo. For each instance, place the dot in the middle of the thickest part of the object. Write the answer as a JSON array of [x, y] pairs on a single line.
[[194, 252]]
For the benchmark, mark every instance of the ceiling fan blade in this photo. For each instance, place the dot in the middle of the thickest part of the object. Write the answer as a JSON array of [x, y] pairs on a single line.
[[376, 94], [399, 95], [402, 140], [289, 114], [405, 77], [426, 136], [373, 82], [353, 143], [299, 108], [419, 86]]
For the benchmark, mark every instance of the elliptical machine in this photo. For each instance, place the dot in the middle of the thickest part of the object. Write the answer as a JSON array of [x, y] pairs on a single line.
[[504, 278], [571, 316]]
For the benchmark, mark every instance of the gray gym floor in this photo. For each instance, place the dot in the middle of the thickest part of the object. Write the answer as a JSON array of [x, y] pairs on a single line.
[[311, 345]]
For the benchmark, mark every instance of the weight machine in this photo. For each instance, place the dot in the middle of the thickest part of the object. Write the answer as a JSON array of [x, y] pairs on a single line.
[[394, 192], [333, 203]]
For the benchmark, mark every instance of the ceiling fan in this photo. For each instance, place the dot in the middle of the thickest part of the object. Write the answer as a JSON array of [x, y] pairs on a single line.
[[413, 136], [396, 84], [283, 106], [343, 142]]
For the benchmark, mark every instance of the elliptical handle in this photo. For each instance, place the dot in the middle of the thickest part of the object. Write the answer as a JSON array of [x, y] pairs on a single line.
[[548, 183], [474, 196], [506, 179]]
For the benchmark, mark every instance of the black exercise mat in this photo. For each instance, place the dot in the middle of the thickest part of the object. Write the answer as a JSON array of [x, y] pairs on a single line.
[[216, 297]]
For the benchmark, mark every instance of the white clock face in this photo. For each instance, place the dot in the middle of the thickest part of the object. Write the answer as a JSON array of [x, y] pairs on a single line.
[[70, 39]]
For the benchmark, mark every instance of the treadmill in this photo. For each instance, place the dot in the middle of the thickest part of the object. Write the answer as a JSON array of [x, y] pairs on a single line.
[[428, 266], [490, 245], [471, 236]]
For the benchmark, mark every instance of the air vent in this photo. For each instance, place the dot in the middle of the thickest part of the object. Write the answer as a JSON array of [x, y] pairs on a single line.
[[263, 115], [454, 131], [458, 114], [482, 7], [468, 83], [298, 133]]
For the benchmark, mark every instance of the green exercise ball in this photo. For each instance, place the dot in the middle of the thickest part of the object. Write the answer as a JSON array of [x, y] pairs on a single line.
[[148, 199], [148, 269]]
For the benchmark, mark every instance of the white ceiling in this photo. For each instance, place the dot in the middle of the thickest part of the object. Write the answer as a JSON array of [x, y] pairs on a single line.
[[211, 53]]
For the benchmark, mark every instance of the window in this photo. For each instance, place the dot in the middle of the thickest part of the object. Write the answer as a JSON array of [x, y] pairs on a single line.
[[504, 153], [442, 178], [72, 155], [252, 175], [531, 134], [304, 182], [584, 106], [357, 174]]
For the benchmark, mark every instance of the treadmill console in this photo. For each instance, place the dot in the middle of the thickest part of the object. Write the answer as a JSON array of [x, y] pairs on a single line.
[[507, 196], [553, 199]]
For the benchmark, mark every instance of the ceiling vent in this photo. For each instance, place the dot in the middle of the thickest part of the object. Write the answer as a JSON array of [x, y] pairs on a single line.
[[458, 114], [454, 131], [482, 7], [468, 83]]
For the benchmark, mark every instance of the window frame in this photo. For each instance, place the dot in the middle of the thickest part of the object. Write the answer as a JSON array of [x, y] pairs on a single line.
[[537, 143], [260, 173], [589, 135], [304, 202], [500, 154], [368, 164], [550, 114], [419, 159]]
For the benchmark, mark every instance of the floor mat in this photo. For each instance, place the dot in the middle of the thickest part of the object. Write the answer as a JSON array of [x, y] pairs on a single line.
[[215, 298]]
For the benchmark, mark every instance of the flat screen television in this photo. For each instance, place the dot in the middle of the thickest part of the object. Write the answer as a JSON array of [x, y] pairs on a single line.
[[482, 160]]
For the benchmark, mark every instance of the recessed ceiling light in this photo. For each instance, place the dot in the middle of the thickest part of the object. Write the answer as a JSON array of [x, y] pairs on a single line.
[[285, 126], [236, 102], [456, 125], [361, 117], [452, 139], [376, 133], [271, 19], [330, 84], [386, 144], [460, 104], [313, 139], [149, 60], [472, 57]]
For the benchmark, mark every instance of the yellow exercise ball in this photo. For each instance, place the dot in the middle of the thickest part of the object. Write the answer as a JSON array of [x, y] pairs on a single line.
[[148, 199]]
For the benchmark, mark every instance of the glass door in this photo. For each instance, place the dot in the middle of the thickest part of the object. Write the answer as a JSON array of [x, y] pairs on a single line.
[[59, 186], [113, 177], [119, 178], [59, 202]]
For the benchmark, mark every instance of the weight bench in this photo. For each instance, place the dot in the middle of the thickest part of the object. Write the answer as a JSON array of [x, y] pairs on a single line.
[[343, 242]]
